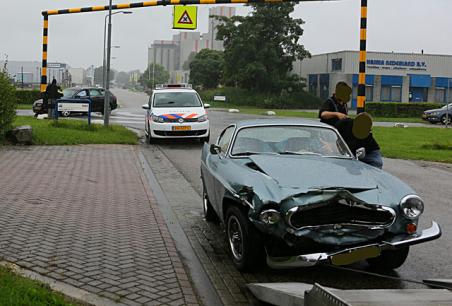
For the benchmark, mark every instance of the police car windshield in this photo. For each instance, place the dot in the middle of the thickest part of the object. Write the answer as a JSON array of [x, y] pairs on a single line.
[[176, 99]]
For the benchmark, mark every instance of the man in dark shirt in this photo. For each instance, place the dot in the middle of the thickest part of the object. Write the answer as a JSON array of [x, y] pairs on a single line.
[[356, 133]]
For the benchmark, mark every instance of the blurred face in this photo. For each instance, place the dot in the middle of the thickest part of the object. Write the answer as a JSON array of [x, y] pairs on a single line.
[[343, 93]]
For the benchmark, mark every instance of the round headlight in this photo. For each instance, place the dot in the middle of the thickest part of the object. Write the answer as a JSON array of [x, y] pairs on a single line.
[[270, 216], [412, 206]]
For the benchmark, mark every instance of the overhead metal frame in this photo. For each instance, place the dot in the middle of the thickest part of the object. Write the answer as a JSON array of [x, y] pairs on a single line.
[[361, 98]]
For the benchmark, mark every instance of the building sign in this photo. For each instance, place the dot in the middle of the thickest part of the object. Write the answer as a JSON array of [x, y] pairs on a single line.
[[396, 65], [185, 17], [56, 65]]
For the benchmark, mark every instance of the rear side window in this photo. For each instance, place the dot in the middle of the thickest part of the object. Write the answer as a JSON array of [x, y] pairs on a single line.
[[95, 93]]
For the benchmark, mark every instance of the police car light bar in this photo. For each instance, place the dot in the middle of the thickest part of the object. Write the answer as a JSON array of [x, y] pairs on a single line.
[[169, 86]]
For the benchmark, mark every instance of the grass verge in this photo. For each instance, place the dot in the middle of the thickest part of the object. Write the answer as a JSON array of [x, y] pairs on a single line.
[[74, 132], [416, 143], [301, 114], [24, 106], [17, 290]]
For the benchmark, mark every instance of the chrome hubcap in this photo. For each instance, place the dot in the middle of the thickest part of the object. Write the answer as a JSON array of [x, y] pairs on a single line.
[[235, 236]]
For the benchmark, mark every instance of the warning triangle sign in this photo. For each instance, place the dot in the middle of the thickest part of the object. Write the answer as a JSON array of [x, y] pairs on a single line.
[[185, 19]]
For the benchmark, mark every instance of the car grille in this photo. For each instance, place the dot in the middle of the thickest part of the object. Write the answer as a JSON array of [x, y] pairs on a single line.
[[340, 213], [180, 133], [185, 120]]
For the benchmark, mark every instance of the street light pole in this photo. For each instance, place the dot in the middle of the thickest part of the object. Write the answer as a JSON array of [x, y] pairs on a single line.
[[106, 62]]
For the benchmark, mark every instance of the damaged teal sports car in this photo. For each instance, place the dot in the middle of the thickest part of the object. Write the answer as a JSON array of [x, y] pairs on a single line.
[[290, 192]]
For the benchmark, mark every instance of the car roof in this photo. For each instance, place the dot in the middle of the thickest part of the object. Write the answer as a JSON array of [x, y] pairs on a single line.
[[82, 88], [174, 90], [282, 121]]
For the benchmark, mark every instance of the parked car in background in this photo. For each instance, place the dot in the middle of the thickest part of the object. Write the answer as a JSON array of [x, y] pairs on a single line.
[[439, 115], [97, 96], [290, 192], [176, 111]]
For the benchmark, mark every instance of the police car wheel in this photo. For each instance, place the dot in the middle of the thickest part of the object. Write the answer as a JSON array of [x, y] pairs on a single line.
[[66, 113]]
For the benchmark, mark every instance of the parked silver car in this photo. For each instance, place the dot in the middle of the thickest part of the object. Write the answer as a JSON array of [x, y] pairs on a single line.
[[443, 115]]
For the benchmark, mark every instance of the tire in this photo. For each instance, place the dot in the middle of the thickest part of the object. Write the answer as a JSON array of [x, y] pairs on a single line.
[[204, 139], [149, 138], [66, 113], [209, 213], [389, 259], [444, 119], [244, 241]]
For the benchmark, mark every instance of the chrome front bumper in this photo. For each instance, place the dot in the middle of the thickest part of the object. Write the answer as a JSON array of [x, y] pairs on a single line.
[[308, 260]]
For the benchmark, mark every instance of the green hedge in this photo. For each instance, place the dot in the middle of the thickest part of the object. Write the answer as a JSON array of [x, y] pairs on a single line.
[[27, 96], [7, 104], [236, 96], [399, 110]]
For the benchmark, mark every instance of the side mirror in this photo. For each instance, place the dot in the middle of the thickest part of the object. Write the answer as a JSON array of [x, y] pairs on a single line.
[[214, 149], [360, 153], [145, 106], [206, 105]]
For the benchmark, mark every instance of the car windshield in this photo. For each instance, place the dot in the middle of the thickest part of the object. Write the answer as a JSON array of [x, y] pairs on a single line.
[[176, 99], [68, 92], [289, 140], [445, 106]]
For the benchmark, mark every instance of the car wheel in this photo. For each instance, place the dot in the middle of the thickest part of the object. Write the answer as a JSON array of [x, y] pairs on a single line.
[[204, 139], [149, 138], [244, 241], [209, 213], [446, 119], [66, 113], [389, 259]]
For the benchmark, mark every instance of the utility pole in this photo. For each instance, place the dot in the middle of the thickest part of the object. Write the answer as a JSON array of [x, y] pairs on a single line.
[[107, 71]]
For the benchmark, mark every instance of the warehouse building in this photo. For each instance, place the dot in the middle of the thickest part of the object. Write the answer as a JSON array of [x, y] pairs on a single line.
[[391, 77]]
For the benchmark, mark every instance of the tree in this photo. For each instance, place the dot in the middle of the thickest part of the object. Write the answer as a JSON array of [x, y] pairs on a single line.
[[186, 65], [7, 102], [261, 47], [122, 78], [155, 76], [206, 69], [99, 73]]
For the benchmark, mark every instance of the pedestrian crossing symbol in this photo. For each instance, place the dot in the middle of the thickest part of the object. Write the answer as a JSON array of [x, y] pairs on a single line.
[[185, 17]]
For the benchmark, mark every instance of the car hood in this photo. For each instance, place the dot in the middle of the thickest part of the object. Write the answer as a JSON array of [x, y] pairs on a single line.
[[433, 110], [279, 178], [184, 112]]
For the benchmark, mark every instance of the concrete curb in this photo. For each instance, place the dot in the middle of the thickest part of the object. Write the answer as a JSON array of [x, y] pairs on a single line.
[[61, 287], [203, 285]]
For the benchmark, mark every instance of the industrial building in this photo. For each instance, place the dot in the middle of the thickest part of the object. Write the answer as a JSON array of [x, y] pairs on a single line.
[[28, 73], [391, 77], [172, 54]]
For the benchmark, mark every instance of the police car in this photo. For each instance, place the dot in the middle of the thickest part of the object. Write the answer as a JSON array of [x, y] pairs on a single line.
[[176, 111]]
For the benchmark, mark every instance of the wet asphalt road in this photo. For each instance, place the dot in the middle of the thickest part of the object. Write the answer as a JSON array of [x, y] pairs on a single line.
[[431, 180]]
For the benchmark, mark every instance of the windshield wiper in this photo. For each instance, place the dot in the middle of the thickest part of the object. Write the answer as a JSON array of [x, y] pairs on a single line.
[[248, 153], [298, 153]]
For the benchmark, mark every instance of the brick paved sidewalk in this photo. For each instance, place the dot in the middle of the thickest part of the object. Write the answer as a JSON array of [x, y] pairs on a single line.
[[84, 215]]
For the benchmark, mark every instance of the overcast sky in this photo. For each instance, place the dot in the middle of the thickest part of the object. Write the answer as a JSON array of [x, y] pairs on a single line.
[[394, 25]]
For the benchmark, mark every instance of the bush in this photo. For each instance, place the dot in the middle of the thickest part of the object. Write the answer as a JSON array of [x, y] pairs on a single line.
[[287, 100], [7, 104], [399, 110], [27, 96]]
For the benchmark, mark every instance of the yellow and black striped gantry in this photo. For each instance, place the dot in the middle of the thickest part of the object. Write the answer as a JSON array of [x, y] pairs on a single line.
[[46, 14], [361, 99]]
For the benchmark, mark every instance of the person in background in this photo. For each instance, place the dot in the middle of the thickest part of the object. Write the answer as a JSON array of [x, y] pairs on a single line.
[[356, 132], [53, 93]]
